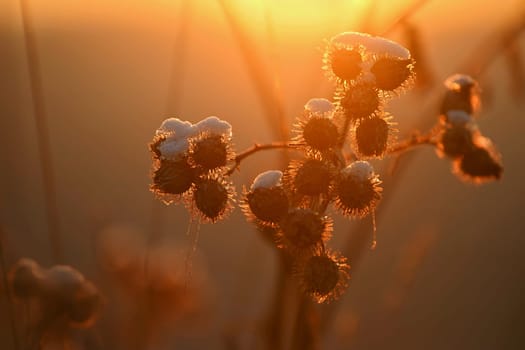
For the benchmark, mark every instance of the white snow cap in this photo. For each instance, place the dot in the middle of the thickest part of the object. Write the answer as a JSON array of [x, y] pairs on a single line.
[[268, 179], [458, 81], [361, 170], [214, 125], [458, 117], [171, 148], [319, 105], [176, 128], [373, 44]]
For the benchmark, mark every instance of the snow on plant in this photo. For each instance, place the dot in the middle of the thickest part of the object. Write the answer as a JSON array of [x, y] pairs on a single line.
[[192, 163]]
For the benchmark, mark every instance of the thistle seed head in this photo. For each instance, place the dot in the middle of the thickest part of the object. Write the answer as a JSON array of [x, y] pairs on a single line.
[[359, 101], [211, 197], [172, 178], [320, 133], [392, 73], [311, 177], [210, 151], [346, 63], [324, 276], [372, 136], [480, 164], [268, 204], [357, 189], [302, 230]]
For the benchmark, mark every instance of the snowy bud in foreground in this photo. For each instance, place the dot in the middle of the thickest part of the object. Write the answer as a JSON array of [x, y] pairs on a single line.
[[267, 200], [357, 189]]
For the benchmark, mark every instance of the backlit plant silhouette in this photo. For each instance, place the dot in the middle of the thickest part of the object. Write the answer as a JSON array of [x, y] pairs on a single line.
[[333, 140]]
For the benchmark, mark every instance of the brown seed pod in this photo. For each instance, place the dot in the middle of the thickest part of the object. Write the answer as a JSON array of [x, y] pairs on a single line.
[[317, 132], [456, 140], [324, 276], [303, 230], [269, 205], [210, 151], [373, 136], [212, 198], [25, 279], [359, 101], [310, 177], [393, 74], [357, 189], [481, 164], [346, 63], [172, 178], [462, 94]]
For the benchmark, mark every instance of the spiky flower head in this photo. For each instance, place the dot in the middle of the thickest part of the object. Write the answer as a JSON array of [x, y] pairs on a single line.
[[316, 129], [310, 177], [357, 189], [359, 101], [458, 132], [211, 149], [172, 178], [393, 74], [373, 136], [324, 275], [212, 197], [267, 200], [303, 230]]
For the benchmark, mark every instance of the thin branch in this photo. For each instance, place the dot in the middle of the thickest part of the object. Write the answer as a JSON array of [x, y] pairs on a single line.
[[412, 142], [254, 149], [43, 138]]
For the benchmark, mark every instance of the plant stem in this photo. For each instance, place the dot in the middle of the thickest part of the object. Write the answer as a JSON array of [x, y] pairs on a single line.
[[254, 149], [43, 138]]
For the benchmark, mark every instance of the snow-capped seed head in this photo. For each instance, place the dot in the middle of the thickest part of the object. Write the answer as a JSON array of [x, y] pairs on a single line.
[[458, 117], [85, 306], [311, 177], [211, 198], [374, 45], [324, 276], [372, 136], [360, 101], [481, 163], [360, 170], [25, 278], [319, 106], [459, 82], [319, 133], [267, 179], [357, 189], [346, 63], [302, 230], [176, 128], [210, 151], [391, 72], [381, 46], [214, 125], [173, 177]]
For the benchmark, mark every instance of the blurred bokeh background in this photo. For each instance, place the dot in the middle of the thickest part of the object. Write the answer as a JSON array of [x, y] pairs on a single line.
[[448, 271]]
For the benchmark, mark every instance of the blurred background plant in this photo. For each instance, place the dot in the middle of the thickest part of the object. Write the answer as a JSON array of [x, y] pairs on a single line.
[[448, 270]]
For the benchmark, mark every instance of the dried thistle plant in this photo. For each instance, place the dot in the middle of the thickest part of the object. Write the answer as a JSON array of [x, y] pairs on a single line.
[[193, 162]]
